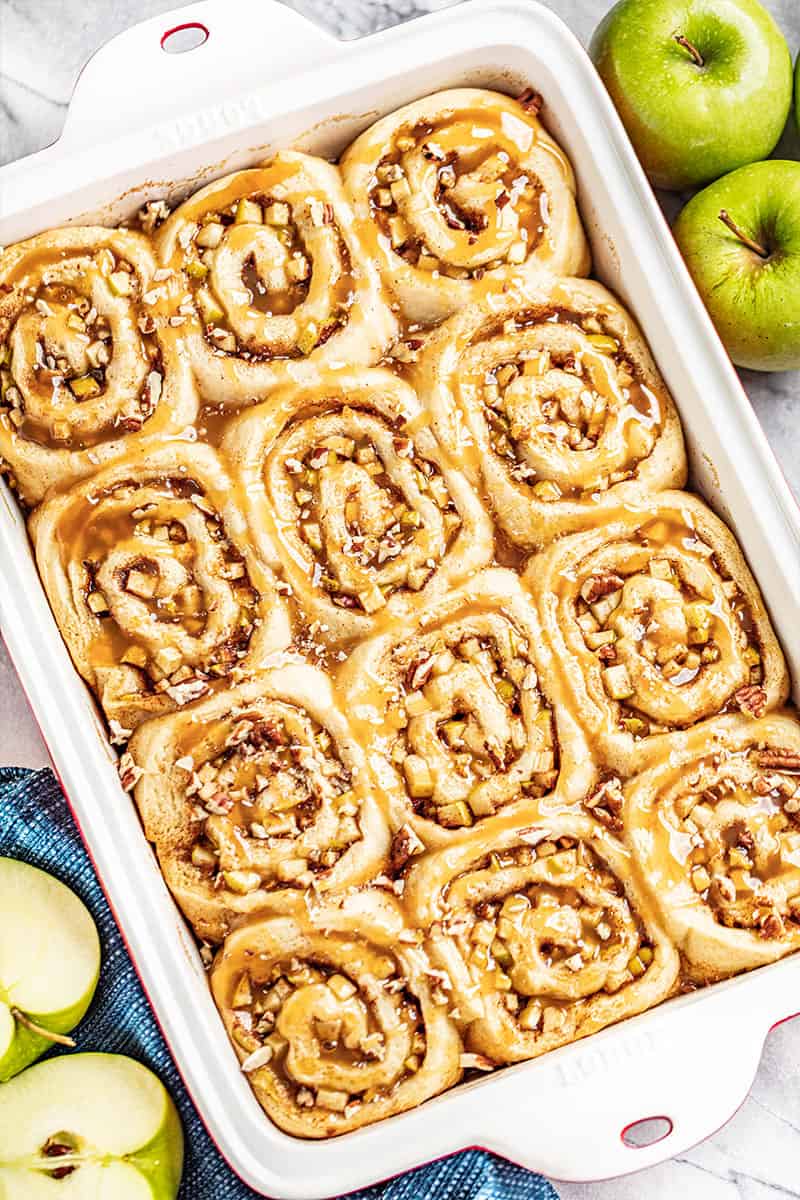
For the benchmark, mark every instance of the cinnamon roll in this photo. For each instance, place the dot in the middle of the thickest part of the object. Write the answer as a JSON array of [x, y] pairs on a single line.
[[454, 712], [460, 192], [89, 361], [540, 933], [336, 1015], [655, 623], [256, 794], [347, 488], [278, 282], [715, 831], [150, 577], [551, 401]]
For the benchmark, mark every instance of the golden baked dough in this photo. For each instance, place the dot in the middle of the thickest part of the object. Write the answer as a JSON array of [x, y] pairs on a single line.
[[278, 282], [549, 399], [88, 357], [336, 1015], [255, 795], [715, 833], [457, 733], [155, 589], [459, 193], [346, 488], [654, 622], [457, 721], [541, 933]]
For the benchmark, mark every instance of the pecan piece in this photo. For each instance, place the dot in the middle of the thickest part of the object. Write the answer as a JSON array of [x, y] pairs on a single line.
[[771, 925], [598, 586], [531, 100], [405, 845], [779, 760], [751, 699], [605, 803]]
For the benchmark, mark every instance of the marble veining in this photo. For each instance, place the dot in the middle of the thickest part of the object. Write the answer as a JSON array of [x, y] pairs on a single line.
[[43, 44]]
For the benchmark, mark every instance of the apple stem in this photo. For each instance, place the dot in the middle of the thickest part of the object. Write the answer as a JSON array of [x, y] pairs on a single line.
[[738, 232], [691, 50], [60, 1039]]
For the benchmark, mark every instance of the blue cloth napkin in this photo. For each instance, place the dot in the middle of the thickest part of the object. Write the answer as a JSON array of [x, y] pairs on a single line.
[[36, 826]]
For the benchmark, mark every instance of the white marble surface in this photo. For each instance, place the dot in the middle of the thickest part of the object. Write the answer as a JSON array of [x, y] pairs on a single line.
[[43, 44]]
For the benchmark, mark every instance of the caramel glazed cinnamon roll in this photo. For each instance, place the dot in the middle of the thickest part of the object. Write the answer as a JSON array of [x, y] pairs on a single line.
[[458, 194], [256, 794], [149, 574], [549, 399], [347, 489], [540, 934], [278, 281], [715, 832], [655, 623], [455, 716], [336, 1014], [86, 367]]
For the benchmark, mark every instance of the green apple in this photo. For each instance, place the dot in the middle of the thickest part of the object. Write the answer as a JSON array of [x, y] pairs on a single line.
[[89, 1127], [702, 86], [741, 241], [49, 963]]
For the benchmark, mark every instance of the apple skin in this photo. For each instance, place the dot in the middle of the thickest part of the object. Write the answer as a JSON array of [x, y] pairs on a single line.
[[45, 926], [93, 1097], [754, 302], [27, 1046], [690, 124]]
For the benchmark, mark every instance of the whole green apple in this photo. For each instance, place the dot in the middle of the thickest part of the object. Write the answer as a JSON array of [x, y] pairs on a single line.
[[90, 1126], [702, 86], [741, 241], [49, 963]]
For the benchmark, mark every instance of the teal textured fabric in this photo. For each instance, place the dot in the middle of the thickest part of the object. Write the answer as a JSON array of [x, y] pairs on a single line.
[[36, 826]]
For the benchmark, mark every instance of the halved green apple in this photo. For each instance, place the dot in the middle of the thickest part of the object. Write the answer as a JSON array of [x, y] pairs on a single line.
[[49, 963], [89, 1127]]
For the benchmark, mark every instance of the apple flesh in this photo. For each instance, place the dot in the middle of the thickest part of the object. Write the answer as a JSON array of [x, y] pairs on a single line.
[[89, 1127], [702, 86], [740, 238], [49, 963]]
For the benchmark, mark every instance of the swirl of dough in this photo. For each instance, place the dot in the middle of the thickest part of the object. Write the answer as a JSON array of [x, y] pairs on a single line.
[[156, 593], [655, 623], [348, 489], [335, 1015], [255, 794], [550, 400], [457, 194], [277, 279], [541, 934], [87, 369], [455, 715], [715, 832]]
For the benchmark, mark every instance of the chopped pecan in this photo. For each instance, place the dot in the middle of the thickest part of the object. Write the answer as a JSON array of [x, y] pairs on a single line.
[[751, 699], [779, 760], [607, 654], [598, 586], [420, 671], [531, 100], [405, 845], [771, 925], [605, 803], [129, 772]]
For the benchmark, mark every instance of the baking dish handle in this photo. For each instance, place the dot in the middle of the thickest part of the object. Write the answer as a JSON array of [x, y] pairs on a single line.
[[138, 79], [643, 1092]]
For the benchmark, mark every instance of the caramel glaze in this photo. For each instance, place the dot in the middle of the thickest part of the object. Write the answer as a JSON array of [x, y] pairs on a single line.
[[271, 774]]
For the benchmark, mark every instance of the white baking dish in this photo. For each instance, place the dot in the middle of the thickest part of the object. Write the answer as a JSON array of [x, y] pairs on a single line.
[[143, 124]]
